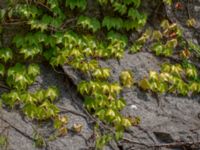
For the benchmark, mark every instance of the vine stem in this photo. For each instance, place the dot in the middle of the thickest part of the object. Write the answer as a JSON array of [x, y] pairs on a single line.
[[134, 142], [64, 110], [67, 22], [41, 4]]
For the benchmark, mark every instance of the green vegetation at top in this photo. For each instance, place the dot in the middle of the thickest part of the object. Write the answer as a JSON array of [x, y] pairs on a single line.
[[67, 33]]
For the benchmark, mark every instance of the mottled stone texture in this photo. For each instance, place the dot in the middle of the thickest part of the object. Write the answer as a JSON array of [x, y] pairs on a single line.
[[168, 118]]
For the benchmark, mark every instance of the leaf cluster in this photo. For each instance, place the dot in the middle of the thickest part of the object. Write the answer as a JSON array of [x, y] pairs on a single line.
[[37, 105], [173, 78], [20, 76]]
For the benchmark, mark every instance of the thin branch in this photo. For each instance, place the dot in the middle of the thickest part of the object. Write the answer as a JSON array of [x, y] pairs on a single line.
[[64, 110], [14, 23], [58, 71], [134, 142], [67, 22], [41, 4]]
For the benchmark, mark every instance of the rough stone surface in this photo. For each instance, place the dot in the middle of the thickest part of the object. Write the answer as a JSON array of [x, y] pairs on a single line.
[[23, 128], [180, 16], [166, 119]]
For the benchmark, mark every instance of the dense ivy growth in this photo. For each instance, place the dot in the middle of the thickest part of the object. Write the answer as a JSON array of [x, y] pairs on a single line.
[[64, 33], [67, 33]]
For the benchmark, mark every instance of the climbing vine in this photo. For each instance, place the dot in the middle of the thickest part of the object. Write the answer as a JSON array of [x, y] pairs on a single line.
[[71, 33], [63, 33]]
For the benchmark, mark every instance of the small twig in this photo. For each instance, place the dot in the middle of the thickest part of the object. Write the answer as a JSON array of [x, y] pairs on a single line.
[[58, 71], [155, 12], [67, 22], [188, 13], [64, 110], [87, 113], [15, 23], [134, 142], [41, 4]]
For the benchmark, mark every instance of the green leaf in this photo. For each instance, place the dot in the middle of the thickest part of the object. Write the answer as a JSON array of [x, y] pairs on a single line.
[[102, 141], [144, 84], [52, 93], [83, 88], [51, 109], [117, 37], [18, 41], [18, 76], [120, 104], [101, 114], [165, 24], [28, 11], [135, 2], [172, 43], [168, 2], [38, 24], [119, 135], [136, 47], [89, 22], [6, 54], [118, 7], [101, 73], [59, 60], [30, 51], [112, 22], [33, 70], [133, 13], [191, 72], [157, 35], [182, 87], [40, 95], [126, 122], [11, 98], [76, 3], [57, 123], [194, 87], [27, 97], [31, 110], [130, 24], [194, 47], [153, 75], [126, 78], [110, 114], [158, 48]]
